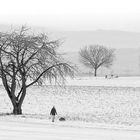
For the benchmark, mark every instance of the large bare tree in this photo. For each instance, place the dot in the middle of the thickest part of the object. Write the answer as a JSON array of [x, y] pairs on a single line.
[[26, 60], [96, 56]]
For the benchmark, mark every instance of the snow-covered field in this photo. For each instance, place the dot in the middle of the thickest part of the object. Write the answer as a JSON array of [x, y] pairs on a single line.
[[95, 108], [101, 81]]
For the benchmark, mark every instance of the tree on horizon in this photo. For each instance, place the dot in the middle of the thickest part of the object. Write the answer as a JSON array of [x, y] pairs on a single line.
[[96, 56]]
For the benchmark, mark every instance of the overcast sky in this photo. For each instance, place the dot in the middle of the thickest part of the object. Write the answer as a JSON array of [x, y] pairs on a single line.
[[73, 14]]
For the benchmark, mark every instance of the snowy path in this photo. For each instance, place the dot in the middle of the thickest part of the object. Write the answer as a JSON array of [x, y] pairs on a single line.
[[16, 130]]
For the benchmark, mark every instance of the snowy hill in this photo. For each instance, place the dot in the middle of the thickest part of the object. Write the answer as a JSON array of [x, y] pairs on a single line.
[[126, 63], [127, 45], [74, 40]]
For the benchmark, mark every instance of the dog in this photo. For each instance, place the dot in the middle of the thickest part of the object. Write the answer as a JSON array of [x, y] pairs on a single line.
[[62, 119]]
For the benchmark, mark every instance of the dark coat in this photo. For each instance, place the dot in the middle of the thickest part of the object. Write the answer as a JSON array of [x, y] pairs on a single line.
[[53, 111]]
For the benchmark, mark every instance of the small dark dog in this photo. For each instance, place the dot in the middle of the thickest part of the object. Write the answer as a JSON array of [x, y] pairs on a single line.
[[62, 119]]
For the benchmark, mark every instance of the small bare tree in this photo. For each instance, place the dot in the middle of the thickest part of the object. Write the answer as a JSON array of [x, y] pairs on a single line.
[[26, 60], [96, 56]]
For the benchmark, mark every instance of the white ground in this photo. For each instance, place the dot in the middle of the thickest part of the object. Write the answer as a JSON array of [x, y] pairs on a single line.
[[109, 111], [101, 81], [43, 130]]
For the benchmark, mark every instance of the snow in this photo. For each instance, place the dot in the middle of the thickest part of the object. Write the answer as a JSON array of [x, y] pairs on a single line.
[[94, 108], [42, 130], [101, 81]]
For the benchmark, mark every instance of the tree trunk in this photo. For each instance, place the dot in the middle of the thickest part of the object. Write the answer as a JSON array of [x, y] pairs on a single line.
[[17, 109], [95, 72]]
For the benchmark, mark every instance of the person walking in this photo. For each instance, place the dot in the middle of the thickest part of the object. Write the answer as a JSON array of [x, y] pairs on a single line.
[[53, 113]]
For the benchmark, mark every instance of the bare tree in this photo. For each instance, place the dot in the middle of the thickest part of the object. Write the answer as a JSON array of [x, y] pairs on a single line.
[[96, 56], [26, 60]]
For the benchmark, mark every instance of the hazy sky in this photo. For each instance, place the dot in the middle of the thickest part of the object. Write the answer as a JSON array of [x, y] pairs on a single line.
[[73, 14]]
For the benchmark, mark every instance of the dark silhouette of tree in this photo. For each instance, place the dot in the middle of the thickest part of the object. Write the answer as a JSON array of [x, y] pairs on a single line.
[[96, 56], [26, 60]]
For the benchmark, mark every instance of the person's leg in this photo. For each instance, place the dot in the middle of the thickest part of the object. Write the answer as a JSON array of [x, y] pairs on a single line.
[[53, 117]]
